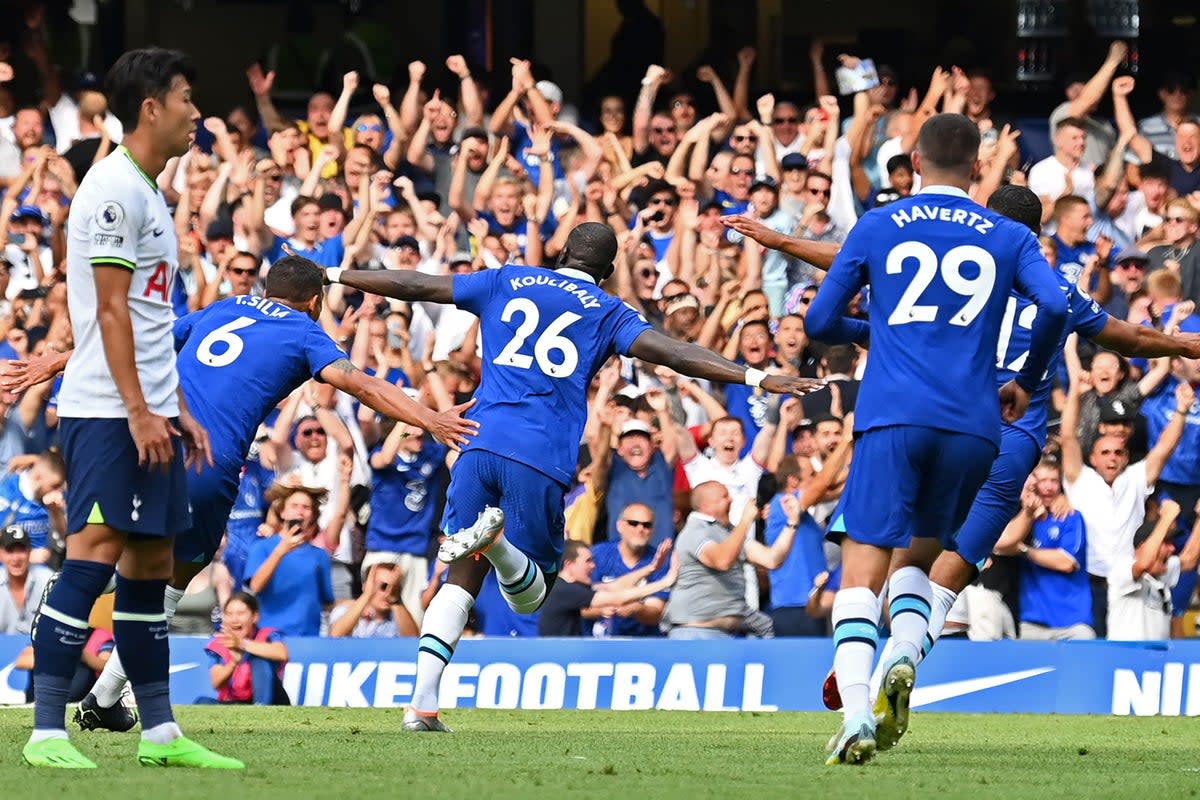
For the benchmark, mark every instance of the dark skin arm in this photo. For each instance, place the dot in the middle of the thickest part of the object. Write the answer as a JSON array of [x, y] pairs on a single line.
[[651, 346], [699, 362], [1141, 341], [401, 284]]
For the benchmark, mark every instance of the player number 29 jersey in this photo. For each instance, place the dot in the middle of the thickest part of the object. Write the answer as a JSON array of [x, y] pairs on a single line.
[[941, 268], [119, 218], [545, 334]]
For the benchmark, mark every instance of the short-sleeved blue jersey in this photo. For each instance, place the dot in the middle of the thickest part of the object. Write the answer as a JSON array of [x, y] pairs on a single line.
[[545, 334], [238, 359], [941, 268], [1085, 317]]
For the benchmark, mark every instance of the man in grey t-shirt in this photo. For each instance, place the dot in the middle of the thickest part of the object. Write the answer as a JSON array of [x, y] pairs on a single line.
[[21, 584], [709, 598]]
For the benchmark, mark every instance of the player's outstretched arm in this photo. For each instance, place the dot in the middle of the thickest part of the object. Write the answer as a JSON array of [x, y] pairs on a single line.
[[698, 362], [397, 284], [448, 427], [20, 374], [1142, 341], [819, 254]]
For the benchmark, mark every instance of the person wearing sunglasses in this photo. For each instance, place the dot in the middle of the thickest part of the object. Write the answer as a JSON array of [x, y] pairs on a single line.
[[1181, 223], [575, 608]]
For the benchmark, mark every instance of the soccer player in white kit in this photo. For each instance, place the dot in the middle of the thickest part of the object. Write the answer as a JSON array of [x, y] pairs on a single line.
[[124, 424]]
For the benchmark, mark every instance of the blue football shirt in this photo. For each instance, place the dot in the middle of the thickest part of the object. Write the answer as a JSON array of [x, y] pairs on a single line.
[[792, 581], [238, 359], [610, 566], [1049, 597], [1159, 408], [294, 598], [545, 334], [1085, 317], [941, 268], [403, 498]]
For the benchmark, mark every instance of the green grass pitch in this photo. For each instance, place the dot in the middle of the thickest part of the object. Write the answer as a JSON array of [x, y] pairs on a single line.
[[299, 753]]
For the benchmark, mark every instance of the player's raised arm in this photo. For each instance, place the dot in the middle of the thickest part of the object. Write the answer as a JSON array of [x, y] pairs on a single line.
[[699, 362], [397, 284], [448, 427], [818, 254]]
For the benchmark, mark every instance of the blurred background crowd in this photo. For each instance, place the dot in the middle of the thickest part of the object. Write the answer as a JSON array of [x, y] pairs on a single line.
[[466, 150]]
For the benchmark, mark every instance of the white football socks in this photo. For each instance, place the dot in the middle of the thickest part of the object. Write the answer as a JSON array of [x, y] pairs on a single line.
[[521, 581], [443, 626], [112, 680], [909, 598], [855, 634]]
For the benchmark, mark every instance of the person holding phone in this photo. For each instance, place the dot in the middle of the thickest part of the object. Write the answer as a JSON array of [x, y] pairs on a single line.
[[290, 575]]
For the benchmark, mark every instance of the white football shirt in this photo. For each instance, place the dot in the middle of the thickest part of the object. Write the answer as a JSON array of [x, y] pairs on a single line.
[[119, 217]]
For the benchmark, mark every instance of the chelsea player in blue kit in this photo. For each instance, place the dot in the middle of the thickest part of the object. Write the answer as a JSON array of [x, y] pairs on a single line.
[[1021, 442], [237, 360], [545, 334], [940, 268]]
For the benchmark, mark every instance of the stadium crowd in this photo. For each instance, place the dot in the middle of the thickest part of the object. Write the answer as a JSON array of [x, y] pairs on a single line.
[[697, 511]]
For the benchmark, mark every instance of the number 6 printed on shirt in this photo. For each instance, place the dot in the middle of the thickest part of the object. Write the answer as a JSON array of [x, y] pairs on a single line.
[[233, 344], [978, 289], [547, 343]]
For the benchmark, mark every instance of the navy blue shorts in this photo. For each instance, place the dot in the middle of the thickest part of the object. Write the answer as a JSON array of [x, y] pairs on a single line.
[[212, 494], [909, 480], [999, 498], [106, 486], [532, 503]]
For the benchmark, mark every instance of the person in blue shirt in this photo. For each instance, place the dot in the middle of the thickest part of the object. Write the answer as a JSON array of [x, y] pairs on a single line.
[[545, 335], [941, 269], [628, 553], [408, 472], [1056, 596], [237, 360], [27, 498], [291, 576], [1072, 219], [306, 241], [1021, 443], [248, 512]]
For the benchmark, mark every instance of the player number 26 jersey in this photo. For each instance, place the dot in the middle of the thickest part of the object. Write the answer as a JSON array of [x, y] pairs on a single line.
[[545, 334]]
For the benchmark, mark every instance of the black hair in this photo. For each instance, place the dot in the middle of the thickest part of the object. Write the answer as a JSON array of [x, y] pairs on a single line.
[[900, 161], [1154, 170], [138, 74], [250, 601], [295, 279], [949, 142], [594, 245], [1019, 204]]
